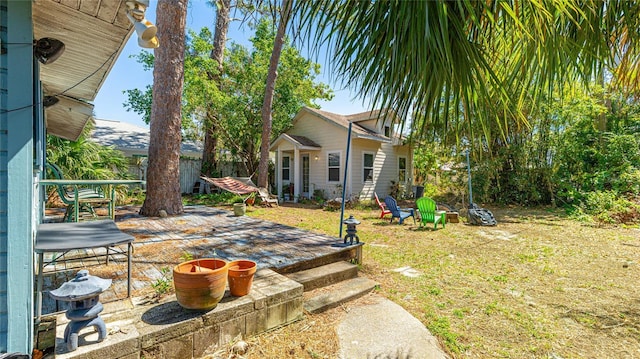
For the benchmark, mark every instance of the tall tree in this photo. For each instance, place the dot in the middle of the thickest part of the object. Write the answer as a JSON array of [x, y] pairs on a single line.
[[272, 75], [163, 172], [217, 54], [238, 103]]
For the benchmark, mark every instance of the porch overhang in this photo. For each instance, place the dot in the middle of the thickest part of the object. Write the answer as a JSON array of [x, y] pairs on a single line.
[[94, 34], [68, 117], [299, 142]]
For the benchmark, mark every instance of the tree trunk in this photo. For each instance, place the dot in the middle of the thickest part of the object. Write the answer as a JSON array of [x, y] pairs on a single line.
[[272, 75], [209, 164], [163, 172]]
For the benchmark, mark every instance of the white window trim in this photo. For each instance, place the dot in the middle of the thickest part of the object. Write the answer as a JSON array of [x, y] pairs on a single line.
[[406, 165], [283, 168], [339, 166], [373, 165]]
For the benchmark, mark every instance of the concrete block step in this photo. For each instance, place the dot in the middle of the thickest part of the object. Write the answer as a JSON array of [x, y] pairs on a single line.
[[339, 293], [324, 275]]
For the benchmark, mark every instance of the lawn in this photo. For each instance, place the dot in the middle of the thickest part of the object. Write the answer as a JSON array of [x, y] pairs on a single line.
[[536, 285]]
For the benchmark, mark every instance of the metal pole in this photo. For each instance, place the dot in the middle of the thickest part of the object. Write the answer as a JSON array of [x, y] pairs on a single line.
[[469, 173], [344, 180]]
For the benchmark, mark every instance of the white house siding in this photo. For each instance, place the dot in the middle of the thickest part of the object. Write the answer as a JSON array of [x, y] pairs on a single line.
[[361, 188], [385, 165], [332, 138], [389, 161]]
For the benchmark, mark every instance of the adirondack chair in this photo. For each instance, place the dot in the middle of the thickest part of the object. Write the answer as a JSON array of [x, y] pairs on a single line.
[[266, 198], [383, 208], [429, 213], [397, 212]]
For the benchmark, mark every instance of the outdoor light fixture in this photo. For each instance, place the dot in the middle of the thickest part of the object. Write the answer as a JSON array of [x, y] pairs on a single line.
[[49, 101], [145, 29], [47, 49]]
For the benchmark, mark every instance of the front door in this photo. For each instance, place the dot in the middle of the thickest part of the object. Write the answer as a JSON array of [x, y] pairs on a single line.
[[305, 176]]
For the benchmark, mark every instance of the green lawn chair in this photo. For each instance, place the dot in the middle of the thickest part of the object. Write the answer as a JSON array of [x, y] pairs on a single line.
[[87, 198], [429, 212]]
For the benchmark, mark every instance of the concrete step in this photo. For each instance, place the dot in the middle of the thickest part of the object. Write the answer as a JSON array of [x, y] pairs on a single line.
[[324, 275], [336, 294]]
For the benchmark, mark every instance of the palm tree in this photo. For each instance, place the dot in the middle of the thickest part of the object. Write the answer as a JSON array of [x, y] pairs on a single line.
[[420, 57], [163, 173]]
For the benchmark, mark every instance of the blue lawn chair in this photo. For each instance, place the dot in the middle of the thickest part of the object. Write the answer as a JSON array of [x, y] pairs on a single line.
[[397, 212]]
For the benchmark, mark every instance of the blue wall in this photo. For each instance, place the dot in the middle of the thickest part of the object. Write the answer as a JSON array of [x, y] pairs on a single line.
[[16, 176]]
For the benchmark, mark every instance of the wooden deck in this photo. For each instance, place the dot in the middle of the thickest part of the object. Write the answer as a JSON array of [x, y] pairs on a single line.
[[201, 232]]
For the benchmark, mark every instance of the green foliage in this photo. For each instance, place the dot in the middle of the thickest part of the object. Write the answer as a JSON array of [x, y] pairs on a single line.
[[441, 327], [85, 159], [186, 256], [233, 107], [211, 199], [163, 284], [581, 150]]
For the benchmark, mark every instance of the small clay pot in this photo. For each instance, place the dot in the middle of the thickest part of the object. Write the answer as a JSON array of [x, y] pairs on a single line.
[[241, 274], [200, 283]]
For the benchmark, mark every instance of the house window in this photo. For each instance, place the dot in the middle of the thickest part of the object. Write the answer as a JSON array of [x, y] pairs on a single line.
[[367, 167], [285, 168], [387, 131], [402, 169], [333, 164]]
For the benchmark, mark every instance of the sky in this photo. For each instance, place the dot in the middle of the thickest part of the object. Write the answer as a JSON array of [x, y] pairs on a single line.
[[127, 74]]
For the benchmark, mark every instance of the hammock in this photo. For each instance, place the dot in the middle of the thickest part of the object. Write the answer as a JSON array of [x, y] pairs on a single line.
[[240, 186]]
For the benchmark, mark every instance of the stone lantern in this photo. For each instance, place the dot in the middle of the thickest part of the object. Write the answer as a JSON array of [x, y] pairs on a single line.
[[351, 223], [83, 293]]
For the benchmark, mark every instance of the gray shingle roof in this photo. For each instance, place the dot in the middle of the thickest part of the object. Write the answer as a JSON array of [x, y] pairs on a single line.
[[304, 141], [133, 139]]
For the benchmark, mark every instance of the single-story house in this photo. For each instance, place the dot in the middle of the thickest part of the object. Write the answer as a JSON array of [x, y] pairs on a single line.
[[43, 90], [311, 156], [133, 141]]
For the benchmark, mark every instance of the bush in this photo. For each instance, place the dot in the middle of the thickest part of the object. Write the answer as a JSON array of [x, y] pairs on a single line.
[[607, 207]]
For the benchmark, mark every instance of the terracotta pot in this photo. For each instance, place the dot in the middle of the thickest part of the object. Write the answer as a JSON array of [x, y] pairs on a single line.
[[241, 274], [200, 283]]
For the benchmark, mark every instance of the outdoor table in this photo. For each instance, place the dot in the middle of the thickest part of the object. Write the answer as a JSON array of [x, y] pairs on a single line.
[[78, 184], [64, 237]]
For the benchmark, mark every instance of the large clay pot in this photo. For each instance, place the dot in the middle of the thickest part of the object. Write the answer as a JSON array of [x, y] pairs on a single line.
[[241, 274], [239, 209], [200, 283]]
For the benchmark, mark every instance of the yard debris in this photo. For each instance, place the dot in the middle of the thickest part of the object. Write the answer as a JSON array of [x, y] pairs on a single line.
[[240, 347], [408, 272]]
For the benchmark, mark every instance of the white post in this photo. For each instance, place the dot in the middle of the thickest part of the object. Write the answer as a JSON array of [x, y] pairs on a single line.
[[297, 183]]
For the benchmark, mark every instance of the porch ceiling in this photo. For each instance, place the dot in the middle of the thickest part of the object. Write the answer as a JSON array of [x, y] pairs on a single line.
[[94, 33]]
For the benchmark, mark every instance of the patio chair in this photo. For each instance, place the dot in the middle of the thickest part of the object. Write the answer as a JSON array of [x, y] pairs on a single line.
[[87, 197], [383, 208], [397, 212], [429, 212], [267, 198], [86, 192]]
